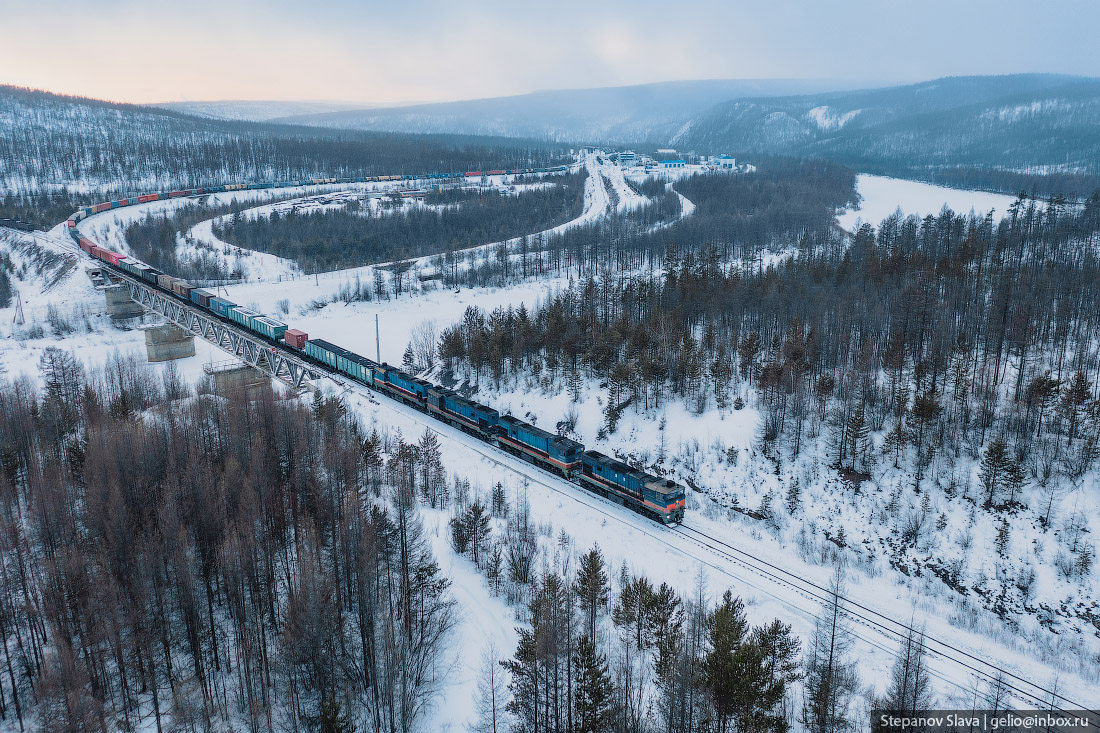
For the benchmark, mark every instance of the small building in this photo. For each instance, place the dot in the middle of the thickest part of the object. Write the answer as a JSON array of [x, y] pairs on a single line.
[[724, 162], [627, 158], [670, 164], [666, 151]]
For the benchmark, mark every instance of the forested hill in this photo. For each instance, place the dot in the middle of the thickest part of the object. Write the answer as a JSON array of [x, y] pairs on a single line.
[[1006, 132], [50, 142], [630, 114]]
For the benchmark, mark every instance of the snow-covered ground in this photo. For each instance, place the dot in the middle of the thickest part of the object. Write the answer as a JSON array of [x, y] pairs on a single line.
[[713, 449], [882, 196]]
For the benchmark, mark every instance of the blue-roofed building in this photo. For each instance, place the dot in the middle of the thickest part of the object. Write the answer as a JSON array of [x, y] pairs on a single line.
[[724, 162]]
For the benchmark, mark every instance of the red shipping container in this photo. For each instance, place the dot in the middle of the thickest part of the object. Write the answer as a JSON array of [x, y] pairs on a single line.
[[147, 198], [295, 338], [113, 257]]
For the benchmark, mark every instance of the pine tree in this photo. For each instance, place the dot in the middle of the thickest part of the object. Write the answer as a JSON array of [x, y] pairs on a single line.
[[576, 385], [1001, 543], [408, 360], [592, 588], [1015, 478], [794, 497], [724, 671], [494, 569], [594, 693], [478, 531], [858, 433], [780, 668], [631, 607], [1083, 563], [1077, 393], [896, 440], [499, 501], [333, 719], [994, 468], [926, 409], [1041, 393]]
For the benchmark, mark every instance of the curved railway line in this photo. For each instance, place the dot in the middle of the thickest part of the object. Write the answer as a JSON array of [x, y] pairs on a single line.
[[875, 629]]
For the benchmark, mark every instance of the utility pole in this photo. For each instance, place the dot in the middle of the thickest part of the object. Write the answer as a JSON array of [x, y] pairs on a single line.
[[377, 342], [18, 319]]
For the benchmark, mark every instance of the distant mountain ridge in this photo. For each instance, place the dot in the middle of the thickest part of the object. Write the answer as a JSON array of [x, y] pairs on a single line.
[[630, 114], [1033, 123]]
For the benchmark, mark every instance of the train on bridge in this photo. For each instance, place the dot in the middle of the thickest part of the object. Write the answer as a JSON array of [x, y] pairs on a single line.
[[655, 497]]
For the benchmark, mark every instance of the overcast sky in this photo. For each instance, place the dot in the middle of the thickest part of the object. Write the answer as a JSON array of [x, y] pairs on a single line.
[[410, 50]]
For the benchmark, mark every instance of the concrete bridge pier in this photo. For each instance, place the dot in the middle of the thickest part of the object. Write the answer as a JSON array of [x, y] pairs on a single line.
[[168, 342]]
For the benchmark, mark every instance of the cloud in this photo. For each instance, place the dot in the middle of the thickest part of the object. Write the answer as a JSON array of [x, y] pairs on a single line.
[[441, 50]]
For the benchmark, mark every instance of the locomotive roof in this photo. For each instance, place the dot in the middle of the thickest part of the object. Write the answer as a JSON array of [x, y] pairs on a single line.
[[655, 483]]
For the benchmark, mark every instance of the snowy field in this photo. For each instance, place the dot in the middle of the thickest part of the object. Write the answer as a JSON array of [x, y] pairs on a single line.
[[883, 196], [713, 449]]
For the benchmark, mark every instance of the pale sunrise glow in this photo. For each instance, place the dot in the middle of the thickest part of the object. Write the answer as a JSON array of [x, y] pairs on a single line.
[[385, 53]]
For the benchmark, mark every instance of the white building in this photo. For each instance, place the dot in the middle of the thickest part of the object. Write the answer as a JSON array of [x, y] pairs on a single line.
[[670, 164], [724, 162], [627, 158]]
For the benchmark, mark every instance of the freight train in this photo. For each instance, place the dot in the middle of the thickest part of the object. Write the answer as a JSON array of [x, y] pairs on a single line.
[[655, 497]]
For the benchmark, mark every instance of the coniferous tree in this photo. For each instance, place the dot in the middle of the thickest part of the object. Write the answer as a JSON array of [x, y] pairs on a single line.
[[592, 588], [994, 469], [594, 693], [831, 679]]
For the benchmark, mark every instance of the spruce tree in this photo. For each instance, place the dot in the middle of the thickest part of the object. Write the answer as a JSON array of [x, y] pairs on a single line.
[[858, 435], [994, 468], [724, 665], [1001, 543], [594, 692], [592, 588]]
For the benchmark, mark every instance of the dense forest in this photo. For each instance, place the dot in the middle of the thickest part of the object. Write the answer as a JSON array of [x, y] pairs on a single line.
[[155, 238], [329, 240], [785, 203], [206, 561]]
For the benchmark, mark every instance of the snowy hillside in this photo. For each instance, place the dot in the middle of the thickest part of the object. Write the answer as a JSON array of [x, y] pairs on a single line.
[[644, 113]]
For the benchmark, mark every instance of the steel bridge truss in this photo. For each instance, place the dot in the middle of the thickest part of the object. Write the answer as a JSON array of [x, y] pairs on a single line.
[[251, 350]]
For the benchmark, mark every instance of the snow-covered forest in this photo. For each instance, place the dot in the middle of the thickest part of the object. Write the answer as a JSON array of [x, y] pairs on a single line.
[[898, 418]]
